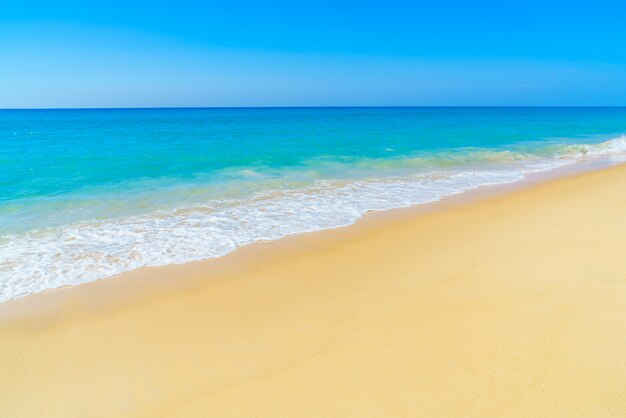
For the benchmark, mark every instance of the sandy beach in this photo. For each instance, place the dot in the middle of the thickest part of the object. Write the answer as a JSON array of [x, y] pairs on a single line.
[[513, 305]]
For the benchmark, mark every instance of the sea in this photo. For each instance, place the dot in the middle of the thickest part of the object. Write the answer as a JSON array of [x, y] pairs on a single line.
[[89, 193]]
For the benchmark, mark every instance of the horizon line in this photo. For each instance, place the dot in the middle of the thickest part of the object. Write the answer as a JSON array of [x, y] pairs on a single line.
[[315, 107]]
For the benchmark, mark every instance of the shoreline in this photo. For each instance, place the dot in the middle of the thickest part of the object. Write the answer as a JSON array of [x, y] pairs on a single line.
[[466, 197], [46, 253], [484, 303]]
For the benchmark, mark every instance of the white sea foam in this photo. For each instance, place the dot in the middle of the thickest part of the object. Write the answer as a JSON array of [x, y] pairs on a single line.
[[88, 251]]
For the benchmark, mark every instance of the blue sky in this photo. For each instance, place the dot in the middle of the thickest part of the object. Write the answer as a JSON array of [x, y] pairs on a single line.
[[319, 53]]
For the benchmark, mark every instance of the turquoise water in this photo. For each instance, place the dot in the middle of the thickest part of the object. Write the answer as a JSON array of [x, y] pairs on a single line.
[[85, 194]]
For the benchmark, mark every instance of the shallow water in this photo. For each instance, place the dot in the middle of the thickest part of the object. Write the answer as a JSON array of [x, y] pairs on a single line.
[[86, 194]]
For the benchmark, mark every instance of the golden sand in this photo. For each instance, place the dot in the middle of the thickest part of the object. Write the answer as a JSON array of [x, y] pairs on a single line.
[[512, 306]]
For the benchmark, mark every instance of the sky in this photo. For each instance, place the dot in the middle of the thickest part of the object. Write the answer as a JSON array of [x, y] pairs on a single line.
[[312, 53]]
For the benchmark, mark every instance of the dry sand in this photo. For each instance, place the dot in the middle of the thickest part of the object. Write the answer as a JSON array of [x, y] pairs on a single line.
[[511, 306]]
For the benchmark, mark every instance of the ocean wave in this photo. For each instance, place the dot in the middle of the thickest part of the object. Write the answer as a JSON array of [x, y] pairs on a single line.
[[612, 146], [471, 156], [87, 251]]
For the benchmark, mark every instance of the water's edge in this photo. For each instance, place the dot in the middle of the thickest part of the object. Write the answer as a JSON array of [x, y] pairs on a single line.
[[45, 273]]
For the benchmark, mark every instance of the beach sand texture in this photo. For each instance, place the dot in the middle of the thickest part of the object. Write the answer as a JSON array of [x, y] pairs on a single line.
[[510, 306]]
